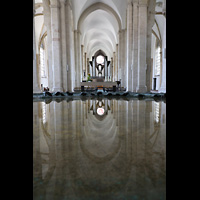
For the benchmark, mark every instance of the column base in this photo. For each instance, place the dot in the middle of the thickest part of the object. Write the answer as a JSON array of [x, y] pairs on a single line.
[[141, 89], [36, 90], [162, 90], [57, 89]]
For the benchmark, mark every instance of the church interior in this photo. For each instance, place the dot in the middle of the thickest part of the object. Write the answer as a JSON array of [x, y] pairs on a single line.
[[129, 36], [99, 99]]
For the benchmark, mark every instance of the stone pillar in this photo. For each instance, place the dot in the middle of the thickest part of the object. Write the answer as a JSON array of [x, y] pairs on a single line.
[[82, 62], [120, 55], [106, 68], [114, 66], [77, 50], [129, 45], [150, 23], [85, 63], [135, 45], [47, 23], [163, 70], [142, 37], [88, 67], [69, 46], [56, 48], [111, 69], [93, 66], [63, 44], [36, 88], [76, 57], [80, 71], [123, 58], [116, 63]]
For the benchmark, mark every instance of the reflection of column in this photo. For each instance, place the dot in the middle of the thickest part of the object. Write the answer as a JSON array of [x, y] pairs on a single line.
[[134, 130], [142, 37], [56, 53], [94, 106], [60, 144], [140, 162], [106, 106], [141, 129]]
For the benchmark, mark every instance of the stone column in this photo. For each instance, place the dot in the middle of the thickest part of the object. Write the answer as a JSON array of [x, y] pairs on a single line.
[[111, 69], [77, 50], [88, 67], [150, 23], [80, 71], [85, 64], [63, 44], [116, 63], [93, 66], [82, 62], [163, 71], [123, 58], [135, 45], [106, 68], [47, 23], [69, 46], [119, 55], [114, 66], [36, 88], [129, 45], [142, 37], [56, 48]]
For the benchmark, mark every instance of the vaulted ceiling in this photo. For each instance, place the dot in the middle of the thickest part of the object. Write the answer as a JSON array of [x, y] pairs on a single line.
[[99, 22]]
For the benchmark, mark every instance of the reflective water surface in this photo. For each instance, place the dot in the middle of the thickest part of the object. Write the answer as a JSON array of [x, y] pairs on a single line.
[[99, 149]]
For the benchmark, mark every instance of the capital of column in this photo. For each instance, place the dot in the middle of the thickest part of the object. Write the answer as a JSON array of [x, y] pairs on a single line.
[[77, 31], [129, 2], [143, 3], [63, 2], [55, 4]]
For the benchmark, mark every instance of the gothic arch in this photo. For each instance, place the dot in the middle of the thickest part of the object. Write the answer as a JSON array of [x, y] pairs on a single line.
[[97, 6]]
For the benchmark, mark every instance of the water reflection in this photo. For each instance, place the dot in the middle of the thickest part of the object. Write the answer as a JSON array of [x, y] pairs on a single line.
[[80, 152]]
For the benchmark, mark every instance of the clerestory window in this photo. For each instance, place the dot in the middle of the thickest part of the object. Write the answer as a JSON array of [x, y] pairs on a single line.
[[42, 61]]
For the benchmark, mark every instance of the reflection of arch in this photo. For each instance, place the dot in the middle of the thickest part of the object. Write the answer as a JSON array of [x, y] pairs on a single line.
[[40, 183], [84, 166], [99, 159], [97, 6]]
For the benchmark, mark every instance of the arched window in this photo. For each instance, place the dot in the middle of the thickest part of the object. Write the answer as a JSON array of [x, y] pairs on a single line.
[[42, 60], [157, 60]]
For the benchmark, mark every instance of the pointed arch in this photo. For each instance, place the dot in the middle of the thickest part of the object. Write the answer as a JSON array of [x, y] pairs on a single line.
[[97, 6]]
